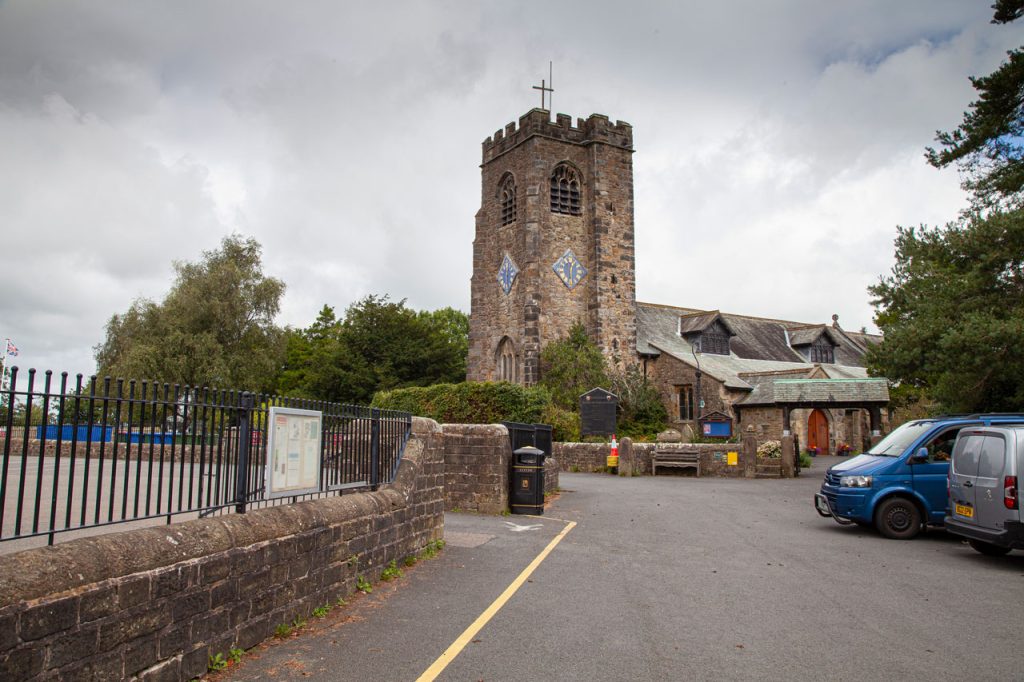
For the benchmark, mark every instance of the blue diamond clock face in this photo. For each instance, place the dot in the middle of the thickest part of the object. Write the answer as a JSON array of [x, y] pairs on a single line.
[[507, 274], [569, 269]]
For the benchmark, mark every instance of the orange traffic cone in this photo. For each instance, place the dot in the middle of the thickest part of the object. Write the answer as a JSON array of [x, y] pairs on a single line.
[[613, 458]]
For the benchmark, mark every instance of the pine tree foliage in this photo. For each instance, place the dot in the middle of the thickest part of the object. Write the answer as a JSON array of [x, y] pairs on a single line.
[[988, 146], [952, 313]]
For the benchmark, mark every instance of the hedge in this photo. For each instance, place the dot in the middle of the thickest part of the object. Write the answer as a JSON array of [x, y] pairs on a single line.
[[470, 402]]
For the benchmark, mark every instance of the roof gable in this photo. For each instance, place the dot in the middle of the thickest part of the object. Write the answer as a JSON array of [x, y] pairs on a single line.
[[695, 323], [806, 336]]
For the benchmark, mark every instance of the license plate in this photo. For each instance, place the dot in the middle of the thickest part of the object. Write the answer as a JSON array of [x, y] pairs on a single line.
[[964, 510]]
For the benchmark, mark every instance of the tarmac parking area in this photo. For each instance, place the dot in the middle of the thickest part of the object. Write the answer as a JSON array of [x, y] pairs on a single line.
[[671, 578]]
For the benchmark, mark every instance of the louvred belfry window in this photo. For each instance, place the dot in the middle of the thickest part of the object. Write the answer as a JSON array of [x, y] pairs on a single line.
[[508, 200], [565, 191]]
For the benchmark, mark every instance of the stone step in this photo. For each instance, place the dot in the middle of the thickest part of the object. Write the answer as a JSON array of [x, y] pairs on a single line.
[[765, 474]]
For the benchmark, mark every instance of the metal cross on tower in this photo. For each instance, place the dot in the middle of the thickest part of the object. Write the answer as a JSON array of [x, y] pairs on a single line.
[[546, 87]]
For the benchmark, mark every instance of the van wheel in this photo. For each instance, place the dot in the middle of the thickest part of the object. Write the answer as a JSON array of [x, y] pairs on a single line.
[[987, 548], [898, 518]]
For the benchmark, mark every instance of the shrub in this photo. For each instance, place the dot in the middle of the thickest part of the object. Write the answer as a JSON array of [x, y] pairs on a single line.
[[642, 414], [471, 402], [770, 449], [565, 424]]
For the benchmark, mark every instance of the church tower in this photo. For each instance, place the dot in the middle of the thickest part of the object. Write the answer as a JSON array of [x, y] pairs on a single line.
[[554, 244]]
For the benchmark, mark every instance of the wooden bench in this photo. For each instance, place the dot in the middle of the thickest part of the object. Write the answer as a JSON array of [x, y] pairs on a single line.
[[676, 459]]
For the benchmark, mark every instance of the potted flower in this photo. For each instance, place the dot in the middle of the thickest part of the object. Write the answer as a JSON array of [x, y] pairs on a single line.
[[813, 451], [843, 449]]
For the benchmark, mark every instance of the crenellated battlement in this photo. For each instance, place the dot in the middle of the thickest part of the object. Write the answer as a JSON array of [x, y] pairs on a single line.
[[595, 128]]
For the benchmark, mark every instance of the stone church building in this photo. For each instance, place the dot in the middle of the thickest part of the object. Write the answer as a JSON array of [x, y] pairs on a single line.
[[555, 244]]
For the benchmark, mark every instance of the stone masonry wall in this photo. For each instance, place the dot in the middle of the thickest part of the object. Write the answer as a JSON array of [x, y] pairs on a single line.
[[591, 457], [540, 308], [476, 467], [477, 463], [669, 373], [154, 604]]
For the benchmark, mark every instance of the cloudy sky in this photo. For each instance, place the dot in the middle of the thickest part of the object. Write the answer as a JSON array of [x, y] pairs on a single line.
[[778, 144]]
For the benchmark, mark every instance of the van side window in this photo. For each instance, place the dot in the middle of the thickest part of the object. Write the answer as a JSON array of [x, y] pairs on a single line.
[[992, 459], [940, 449], [965, 458]]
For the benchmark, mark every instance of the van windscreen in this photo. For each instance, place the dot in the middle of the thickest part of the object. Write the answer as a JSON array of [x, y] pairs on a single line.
[[899, 440]]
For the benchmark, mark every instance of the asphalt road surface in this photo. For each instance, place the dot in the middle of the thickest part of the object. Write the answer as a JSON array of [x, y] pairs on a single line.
[[674, 578]]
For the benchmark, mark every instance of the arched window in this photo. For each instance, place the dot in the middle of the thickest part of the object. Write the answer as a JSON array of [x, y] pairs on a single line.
[[565, 190], [507, 368], [507, 195]]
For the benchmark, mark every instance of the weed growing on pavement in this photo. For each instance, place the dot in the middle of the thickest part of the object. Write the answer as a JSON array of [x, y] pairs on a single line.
[[410, 561], [432, 549], [363, 585], [216, 663], [282, 630], [235, 654], [390, 572], [321, 611]]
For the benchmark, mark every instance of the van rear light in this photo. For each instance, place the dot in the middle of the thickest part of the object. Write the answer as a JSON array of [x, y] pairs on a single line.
[[1010, 492]]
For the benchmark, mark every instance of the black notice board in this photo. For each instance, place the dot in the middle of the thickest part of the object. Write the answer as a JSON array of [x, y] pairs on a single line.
[[597, 413]]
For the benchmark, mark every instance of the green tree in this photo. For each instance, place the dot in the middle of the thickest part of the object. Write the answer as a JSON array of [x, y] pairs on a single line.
[[952, 313], [215, 327], [571, 366], [987, 145], [309, 368], [642, 414], [378, 346]]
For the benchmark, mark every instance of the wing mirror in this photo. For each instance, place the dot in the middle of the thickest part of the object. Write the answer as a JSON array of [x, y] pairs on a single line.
[[919, 457]]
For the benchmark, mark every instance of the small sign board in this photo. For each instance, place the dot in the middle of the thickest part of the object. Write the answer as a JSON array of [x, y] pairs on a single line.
[[293, 452], [716, 425], [597, 412], [732, 459]]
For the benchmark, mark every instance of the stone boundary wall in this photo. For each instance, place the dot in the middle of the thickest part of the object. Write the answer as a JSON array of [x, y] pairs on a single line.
[[551, 470], [635, 458], [476, 467], [155, 603], [477, 464]]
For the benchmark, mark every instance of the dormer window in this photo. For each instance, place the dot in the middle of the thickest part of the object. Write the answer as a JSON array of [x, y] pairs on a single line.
[[707, 332], [713, 341], [821, 351], [816, 344]]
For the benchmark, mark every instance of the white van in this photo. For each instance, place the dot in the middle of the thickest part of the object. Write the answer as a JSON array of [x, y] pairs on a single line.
[[984, 502]]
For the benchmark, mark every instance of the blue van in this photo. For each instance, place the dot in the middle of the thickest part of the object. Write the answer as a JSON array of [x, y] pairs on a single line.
[[900, 485]]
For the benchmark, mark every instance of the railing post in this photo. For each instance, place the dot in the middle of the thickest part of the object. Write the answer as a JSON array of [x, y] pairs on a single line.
[[374, 448], [242, 473]]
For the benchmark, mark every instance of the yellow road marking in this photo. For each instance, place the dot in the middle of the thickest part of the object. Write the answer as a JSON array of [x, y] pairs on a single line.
[[469, 633]]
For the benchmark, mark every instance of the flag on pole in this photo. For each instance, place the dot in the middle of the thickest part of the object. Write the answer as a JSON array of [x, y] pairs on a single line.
[[11, 348]]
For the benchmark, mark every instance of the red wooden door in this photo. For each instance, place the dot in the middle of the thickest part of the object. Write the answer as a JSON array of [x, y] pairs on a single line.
[[817, 432]]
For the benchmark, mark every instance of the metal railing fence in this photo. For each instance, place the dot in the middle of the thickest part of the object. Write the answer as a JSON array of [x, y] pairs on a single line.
[[102, 452]]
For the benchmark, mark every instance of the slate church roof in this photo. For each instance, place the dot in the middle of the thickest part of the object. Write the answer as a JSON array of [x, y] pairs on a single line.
[[762, 351]]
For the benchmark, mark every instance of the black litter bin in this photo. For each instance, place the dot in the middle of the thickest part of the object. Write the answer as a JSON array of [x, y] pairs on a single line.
[[527, 494]]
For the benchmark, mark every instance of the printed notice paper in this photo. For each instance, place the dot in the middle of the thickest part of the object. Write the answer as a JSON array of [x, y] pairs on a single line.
[[293, 447]]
